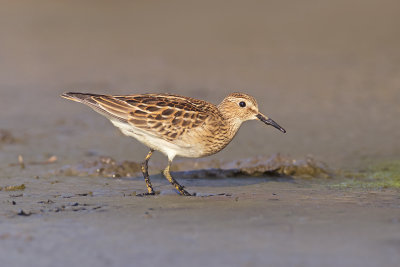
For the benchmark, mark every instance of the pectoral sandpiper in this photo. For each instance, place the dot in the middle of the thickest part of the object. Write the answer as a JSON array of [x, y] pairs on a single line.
[[175, 125]]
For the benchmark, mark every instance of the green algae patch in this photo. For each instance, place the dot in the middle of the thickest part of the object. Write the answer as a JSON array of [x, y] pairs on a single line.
[[381, 175], [20, 187]]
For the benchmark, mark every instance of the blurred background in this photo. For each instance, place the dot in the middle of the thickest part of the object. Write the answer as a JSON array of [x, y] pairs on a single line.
[[327, 71]]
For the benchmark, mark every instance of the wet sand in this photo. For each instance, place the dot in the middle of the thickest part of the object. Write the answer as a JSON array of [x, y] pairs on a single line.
[[328, 72]]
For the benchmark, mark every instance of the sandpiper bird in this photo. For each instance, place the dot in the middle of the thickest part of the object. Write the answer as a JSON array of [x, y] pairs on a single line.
[[175, 125]]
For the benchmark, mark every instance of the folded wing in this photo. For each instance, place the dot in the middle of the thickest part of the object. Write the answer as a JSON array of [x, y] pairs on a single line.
[[165, 116]]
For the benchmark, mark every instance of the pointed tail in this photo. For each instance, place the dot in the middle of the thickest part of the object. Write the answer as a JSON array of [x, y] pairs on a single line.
[[79, 97]]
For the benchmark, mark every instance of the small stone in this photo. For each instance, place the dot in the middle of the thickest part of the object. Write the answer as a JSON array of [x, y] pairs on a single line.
[[24, 213]]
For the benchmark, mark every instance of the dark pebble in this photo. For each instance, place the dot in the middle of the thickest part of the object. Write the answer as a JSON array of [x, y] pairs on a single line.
[[23, 213]]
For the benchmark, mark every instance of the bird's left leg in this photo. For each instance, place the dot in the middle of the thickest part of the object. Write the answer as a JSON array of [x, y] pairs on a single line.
[[146, 173]]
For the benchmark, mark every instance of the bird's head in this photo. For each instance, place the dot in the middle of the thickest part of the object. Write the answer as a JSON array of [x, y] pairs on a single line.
[[240, 107]]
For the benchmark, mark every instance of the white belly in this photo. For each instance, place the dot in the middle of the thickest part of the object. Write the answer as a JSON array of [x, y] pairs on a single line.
[[169, 149]]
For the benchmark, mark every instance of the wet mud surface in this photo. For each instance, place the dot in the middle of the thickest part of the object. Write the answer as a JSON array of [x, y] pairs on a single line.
[[101, 221], [53, 210], [327, 71]]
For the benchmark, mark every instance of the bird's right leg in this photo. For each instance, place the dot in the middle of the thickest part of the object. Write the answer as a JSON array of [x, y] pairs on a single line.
[[171, 179], [146, 173]]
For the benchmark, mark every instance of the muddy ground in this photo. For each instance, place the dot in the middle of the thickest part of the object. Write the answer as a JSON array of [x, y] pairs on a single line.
[[259, 221], [327, 71]]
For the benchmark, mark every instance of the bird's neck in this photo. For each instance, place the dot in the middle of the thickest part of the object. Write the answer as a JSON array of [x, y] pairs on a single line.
[[231, 122], [221, 131]]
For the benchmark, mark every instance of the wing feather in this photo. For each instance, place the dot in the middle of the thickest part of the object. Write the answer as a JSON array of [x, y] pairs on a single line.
[[165, 116]]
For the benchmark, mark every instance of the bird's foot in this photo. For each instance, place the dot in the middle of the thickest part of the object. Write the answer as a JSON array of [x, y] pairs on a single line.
[[183, 192], [148, 194]]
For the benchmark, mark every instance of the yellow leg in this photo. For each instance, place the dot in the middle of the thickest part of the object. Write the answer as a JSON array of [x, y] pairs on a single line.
[[146, 173], [178, 187]]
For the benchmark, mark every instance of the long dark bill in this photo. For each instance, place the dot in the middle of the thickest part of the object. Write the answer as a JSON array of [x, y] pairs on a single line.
[[269, 121]]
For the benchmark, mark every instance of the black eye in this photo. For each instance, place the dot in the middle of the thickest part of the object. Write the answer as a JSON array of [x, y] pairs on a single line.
[[242, 104]]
